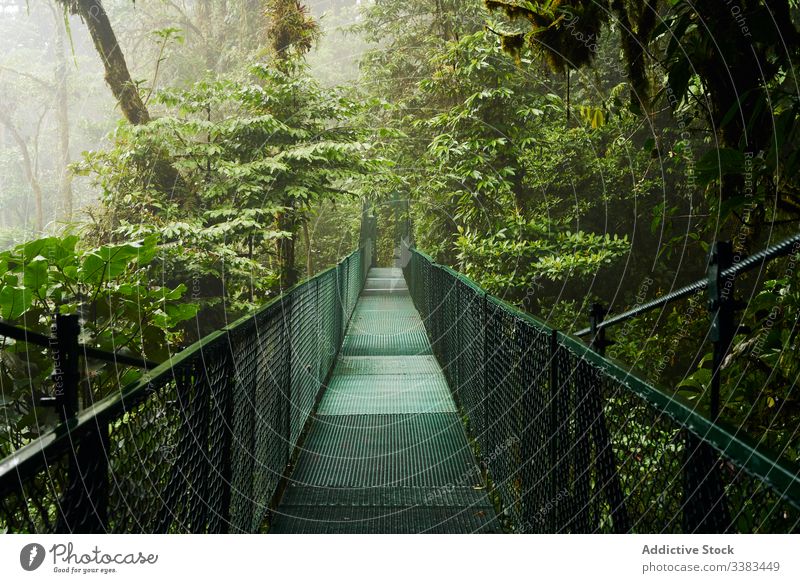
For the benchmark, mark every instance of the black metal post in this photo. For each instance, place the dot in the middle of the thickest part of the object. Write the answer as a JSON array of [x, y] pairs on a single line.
[[593, 406], [485, 420], [83, 507], [66, 368], [459, 355], [721, 306], [598, 335], [362, 236], [556, 468], [407, 221], [373, 231], [287, 330], [705, 508], [396, 212], [367, 236]]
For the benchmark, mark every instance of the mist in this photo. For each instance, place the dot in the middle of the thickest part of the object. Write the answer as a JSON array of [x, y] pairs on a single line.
[[55, 104]]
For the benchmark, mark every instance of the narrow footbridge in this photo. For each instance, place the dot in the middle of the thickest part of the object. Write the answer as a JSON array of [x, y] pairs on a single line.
[[394, 400], [386, 451]]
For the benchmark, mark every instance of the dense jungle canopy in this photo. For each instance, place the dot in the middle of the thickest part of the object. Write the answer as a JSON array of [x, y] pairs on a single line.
[[168, 165]]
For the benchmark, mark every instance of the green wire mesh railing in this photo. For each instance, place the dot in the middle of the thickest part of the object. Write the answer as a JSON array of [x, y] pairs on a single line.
[[574, 442], [202, 442]]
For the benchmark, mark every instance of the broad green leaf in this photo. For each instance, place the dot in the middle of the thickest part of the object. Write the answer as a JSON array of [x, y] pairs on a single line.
[[14, 301], [35, 274]]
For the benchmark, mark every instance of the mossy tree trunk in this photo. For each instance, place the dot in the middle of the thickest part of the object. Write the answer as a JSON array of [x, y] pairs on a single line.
[[116, 69], [28, 165], [62, 117]]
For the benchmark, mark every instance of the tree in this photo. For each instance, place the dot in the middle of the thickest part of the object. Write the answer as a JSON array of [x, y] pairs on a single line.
[[244, 148], [116, 69], [406, 33], [118, 78], [28, 165], [292, 32], [62, 115], [730, 63], [725, 71], [509, 200]]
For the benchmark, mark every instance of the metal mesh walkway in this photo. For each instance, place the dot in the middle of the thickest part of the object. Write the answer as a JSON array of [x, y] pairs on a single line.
[[386, 451]]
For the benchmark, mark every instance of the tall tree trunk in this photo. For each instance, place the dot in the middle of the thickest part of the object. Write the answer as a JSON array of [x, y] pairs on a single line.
[[252, 19], [638, 22], [307, 243], [117, 75], [62, 116], [27, 162], [119, 80], [207, 22], [292, 32], [285, 246]]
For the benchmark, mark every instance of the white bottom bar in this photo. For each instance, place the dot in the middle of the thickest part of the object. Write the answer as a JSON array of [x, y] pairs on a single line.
[[370, 558]]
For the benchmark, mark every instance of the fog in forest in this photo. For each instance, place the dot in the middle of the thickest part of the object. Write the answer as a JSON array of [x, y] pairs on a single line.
[[54, 103]]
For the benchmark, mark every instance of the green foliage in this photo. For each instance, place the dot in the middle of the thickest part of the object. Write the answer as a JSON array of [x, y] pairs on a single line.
[[121, 311], [292, 31], [516, 259], [566, 32], [534, 181], [526, 191], [247, 152], [405, 34], [501, 189], [334, 229], [763, 366], [258, 152]]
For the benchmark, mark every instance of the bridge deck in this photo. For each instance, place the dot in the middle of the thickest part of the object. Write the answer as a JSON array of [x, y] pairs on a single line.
[[386, 452]]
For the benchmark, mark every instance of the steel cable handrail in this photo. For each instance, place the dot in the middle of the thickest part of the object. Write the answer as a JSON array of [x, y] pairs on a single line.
[[786, 247]]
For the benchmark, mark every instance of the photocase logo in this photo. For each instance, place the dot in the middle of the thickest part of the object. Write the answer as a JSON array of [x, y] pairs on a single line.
[[31, 556]]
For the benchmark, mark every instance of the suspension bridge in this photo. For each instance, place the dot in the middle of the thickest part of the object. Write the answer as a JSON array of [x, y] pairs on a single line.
[[397, 399], [387, 451]]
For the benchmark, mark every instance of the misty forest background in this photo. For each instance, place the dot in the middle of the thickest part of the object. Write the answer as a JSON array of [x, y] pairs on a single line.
[[168, 165]]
